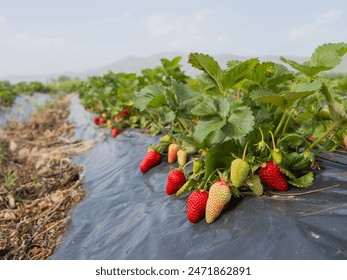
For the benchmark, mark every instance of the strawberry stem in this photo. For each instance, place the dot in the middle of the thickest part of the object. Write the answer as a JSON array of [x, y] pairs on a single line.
[[336, 125], [287, 121], [189, 162], [292, 135], [244, 151], [273, 140], [208, 179], [281, 122]]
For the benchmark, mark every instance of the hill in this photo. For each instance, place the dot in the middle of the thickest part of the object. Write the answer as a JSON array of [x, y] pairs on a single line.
[[135, 64]]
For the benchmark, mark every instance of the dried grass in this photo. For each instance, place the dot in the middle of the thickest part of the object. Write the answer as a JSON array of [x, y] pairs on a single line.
[[35, 205]]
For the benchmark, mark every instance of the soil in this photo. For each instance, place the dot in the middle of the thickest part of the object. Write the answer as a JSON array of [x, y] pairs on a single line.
[[39, 184]]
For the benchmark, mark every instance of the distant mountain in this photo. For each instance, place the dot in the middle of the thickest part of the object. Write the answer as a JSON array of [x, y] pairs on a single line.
[[132, 64], [135, 64]]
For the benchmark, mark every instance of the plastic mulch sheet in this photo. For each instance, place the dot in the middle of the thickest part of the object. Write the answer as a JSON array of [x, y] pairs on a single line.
[[127, 214], [23, 107]]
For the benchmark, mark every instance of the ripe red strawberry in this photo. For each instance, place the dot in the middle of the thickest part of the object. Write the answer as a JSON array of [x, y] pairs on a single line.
[[272, 176], [124, 113], [196, 205], [102, 121], [151, 159], [175, 181], [115, 132], [96, 120], [172, 154]]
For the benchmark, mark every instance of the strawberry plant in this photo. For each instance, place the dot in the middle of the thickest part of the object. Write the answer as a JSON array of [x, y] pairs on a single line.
[[255, 125]]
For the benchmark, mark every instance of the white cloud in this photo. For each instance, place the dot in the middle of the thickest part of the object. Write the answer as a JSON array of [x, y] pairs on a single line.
[[184, 32], [201, 15], [328, 17], [318, 26], [109, 20], [13, 40], [161, 25], [222, 40]]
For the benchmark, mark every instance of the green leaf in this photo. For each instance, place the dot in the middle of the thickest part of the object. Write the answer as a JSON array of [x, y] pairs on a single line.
[[263, 72], [303, 181], [281, 75], [216, 137], [328, 55], [205, 126], [191, 140], [240, 122], [296, 161], [302, 90], [267, 96], [206, 108], [309, 87], [219, 156], [166, 115], [207, 64], [150, 96], [212, 106], [324, 58], [307, 70], [238, 72], [183, 92]]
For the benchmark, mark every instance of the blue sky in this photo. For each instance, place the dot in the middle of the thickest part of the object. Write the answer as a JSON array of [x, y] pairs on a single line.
[[43, 37]]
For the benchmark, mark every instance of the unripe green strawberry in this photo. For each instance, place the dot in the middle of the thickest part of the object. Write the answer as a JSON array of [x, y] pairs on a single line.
[[165, 139], [197, 165], [324, 114], [109, 124], [182, 157], [276, 155], [219, 196], [255, 185], [239, 171], [172, 153]]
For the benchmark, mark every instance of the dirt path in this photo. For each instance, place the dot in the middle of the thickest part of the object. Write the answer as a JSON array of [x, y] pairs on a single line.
[[38, 183]]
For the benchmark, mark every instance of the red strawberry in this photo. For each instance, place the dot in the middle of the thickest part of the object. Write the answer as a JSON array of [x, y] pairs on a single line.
[[124, 113], [151, 159], [175, 181], [196, 205], [172, 154], [115, 132], [116, 118], [102, 121], [272, 176], [96, 120]]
